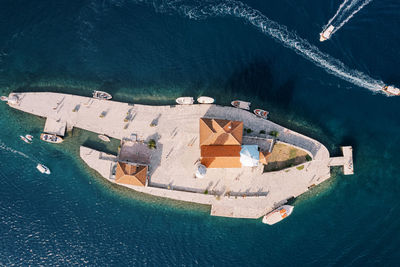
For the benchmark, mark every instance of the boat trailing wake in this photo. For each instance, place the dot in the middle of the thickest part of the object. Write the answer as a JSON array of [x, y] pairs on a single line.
[[345, 12], [202, 9]]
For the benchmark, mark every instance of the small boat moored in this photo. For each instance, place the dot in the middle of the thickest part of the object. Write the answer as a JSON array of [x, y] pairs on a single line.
[[101, 95], [205, 100], [326, 34], [43, 169], [23, 138], [29, 137], [185, 100], [261, 113], [241, 104], [391, 90], [278, 214], [104, 137], [4, 98], [51, 138]]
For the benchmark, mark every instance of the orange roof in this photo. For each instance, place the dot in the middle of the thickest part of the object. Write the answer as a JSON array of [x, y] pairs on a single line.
[[221, 156], [131, 174], [264, 157], [220, 151], [220, 132], [221, 162]]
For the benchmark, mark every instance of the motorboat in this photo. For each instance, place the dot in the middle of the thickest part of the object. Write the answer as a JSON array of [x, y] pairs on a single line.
[[186, 100], [205, 100], [29, 137], [51, 138], [4, 98], [23, 138], [101, 95], [43, 169], [104, 137], [261, 113], [241, 104], [278, 214], [326, 34], [391, 90]]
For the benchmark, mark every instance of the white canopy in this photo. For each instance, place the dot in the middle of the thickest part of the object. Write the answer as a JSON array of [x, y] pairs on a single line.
[[249, 155], [201, 171]]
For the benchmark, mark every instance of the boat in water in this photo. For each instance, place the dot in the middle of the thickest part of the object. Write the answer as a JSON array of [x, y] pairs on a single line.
[[261, 113], [326, 34], [205, 100], [104, 137], [101, 95], [278, 214], [29, 137], [51, 138], [241, 104], [391, 90], [4, 98], [43, 169], [186, 100], [23, 138]]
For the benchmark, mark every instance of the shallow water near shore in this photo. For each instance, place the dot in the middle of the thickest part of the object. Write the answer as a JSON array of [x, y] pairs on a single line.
[[148, 54]]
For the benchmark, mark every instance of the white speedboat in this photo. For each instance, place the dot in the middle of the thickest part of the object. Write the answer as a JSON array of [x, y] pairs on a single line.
[[29, 137], [241, 104], [23, 138], [326, 34], [4, 98], [261, 113], [43, 169], [278, 215], [104, 137], [101, 95], [391, 90], [205, 100], [51, 138], [186, 100]]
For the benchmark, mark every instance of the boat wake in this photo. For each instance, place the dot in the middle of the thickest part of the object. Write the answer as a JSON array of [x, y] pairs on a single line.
[[9, 149], [345, 12], [202, 9]]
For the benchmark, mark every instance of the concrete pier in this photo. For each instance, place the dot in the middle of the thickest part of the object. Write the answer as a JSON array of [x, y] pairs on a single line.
[[244, 192]]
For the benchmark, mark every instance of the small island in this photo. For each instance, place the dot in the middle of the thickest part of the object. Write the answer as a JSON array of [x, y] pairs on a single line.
[[241, 165]]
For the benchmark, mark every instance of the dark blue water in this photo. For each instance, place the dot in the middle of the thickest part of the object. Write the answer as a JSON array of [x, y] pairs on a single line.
[[154, 52]]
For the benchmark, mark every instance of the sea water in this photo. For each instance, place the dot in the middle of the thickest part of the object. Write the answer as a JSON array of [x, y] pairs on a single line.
[[151, 52]]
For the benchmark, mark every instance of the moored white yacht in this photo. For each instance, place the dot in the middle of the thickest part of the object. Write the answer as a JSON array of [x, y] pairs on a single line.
[[185, 100], [43, 169], [326, 34], [241, 104], [391, 90], [101, 95], [261, 113], [205, 100], [278, 214], [104, 137]]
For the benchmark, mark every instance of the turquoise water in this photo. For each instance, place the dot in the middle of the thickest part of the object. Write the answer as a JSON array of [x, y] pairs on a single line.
[[154, 51]]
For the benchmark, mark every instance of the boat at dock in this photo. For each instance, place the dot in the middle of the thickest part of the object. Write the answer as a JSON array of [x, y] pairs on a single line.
[[29, 137], [104, 137], [241, 104], [101, 95], [23, 138], [326, 34], [278, 214], [51, 138], [4, 98], [185, 100], [261, 113], [43, 169], [205, 100], [391, 90]]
